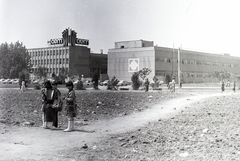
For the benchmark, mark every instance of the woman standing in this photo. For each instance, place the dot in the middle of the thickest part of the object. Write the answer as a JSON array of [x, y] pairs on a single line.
[[57, 104], [49, 113], [71, 107]]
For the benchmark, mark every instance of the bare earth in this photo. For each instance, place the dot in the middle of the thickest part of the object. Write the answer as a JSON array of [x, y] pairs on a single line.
[[121, 137]]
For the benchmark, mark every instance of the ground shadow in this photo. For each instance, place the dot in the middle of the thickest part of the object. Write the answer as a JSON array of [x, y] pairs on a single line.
[[75, 130]]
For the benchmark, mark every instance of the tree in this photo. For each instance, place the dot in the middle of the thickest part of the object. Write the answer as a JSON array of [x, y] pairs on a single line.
[[221, 75], [53, 75], [155, 85], [144, 72], [14, 59], [113, 83], [41, 72], [135, 81], [95, 78], [168, 79], [23, 76]]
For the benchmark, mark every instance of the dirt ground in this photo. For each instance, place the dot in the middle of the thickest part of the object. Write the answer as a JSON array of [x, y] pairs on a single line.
[[124, 126]]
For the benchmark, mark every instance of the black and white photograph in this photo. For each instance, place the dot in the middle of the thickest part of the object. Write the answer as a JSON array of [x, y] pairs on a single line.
[[119, 80]]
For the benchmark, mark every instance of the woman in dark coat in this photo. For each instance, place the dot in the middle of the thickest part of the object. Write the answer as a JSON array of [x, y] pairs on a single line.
[[57, 105], [49, 112]]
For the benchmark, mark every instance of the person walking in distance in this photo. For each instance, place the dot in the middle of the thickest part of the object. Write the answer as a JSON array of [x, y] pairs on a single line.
[[71, 107], [223, 86], [173, 85], [234, 86], [23, 86], [146, 83]]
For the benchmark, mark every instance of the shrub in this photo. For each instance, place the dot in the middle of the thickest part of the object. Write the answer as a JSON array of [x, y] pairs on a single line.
[[37, 86], [135, 81], [95, 79], [155, 85], [168, 79], [79, 85], [113, 83]]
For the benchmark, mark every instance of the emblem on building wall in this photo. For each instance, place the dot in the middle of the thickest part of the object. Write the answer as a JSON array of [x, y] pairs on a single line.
[[133, 65]]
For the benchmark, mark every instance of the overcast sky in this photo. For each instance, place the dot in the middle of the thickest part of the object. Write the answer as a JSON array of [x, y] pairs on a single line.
[[200, 25]]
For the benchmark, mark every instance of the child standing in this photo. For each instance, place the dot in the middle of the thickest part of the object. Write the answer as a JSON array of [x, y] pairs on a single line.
[[23, 86], [71, 107]]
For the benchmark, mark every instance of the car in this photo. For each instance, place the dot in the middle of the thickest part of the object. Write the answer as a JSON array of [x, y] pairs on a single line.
[[51, 80], [75, 82], [15, 81], [104, 83], [6, 81], [36, 81], [1, 80], [122, 83], [11, 81], [88, 82]]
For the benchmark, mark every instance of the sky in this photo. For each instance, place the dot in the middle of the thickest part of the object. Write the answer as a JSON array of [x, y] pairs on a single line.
[[211, 26]]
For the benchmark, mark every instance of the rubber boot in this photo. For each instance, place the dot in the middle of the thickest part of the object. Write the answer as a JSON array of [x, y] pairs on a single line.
[[72, 125], [69, 129], [45, 125]]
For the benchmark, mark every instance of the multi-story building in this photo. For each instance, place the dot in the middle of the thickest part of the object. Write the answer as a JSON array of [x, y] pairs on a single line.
[[67, 56], [191, 66]]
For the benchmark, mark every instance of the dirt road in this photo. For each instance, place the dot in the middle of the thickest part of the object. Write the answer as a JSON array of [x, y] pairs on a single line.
[[25, 143]]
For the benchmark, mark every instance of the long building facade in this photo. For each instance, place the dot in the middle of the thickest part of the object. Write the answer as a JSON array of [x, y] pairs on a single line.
[[189, 66], [67, 56]]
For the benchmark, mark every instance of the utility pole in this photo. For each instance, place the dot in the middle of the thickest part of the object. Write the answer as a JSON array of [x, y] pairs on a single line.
[[179, 67], [173, 61]]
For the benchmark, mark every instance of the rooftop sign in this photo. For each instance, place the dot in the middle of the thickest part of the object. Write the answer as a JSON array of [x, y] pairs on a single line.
[[69, 38]]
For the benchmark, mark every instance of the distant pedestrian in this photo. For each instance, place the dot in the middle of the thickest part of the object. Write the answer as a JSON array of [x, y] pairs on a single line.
[[234, 86], [173, 85], [170, 86], [23, 86], [71, 106], [20, 84], [223, 86], [228, 83], [146, 84]]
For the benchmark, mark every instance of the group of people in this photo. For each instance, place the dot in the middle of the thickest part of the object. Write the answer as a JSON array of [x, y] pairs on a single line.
[[52, 103], [171, 85], [227, 85]]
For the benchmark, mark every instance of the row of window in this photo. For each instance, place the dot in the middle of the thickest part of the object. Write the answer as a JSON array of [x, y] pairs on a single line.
[[184, 74], [49, 61], [49, 52], [198, 62], [55, 70]]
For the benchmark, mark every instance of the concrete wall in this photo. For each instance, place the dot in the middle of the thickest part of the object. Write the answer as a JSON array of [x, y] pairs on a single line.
[[133, 44], [122, 63], [79, 61], [195, 66]]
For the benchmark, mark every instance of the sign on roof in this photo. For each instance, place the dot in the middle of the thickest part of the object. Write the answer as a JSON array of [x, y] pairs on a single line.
[[69, 38]]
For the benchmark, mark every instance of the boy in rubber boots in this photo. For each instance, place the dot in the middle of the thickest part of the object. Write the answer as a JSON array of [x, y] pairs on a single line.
[[70, 106]]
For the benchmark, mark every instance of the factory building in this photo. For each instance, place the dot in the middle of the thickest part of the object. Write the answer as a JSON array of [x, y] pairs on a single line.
[[68, 56], [187, 66]]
